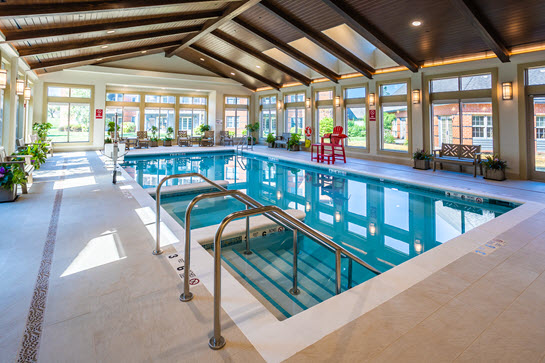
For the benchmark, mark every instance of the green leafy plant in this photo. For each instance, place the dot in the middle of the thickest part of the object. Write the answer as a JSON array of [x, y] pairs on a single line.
[[204, 127], [271, 138], [421, 155], [108, 140], [42, 129], [153, 131], [11, 175], [294, 140], [170, 132], [38, 151], [494, 163], [111, 126]]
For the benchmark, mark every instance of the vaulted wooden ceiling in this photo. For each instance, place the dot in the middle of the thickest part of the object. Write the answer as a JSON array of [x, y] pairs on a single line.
[[262, 43]]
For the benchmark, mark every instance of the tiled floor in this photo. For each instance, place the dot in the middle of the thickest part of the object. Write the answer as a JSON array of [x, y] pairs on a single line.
[[123, 306]]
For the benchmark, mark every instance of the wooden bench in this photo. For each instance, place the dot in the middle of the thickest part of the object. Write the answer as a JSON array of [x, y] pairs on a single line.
[[25, 165], [283, 140], [462, 155]]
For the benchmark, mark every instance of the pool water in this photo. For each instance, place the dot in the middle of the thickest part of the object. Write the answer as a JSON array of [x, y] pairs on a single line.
[[384, 223]]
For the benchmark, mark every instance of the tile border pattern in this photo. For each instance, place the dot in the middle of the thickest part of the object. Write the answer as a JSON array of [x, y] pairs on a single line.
[[33, 329]]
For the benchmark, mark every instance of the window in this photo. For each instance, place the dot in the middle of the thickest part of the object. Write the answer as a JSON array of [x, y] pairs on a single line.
[[295, 120], [294, 97], [467, 119], [395, 135], [355, 123], [268, 100], [268, 122], [128, 120], [186, 100], [444, 85], [237, 115], [540, 127], [325, 119], [191, 120], [394, 89], [69, 111], [324, 95], [536, 76], [160, 99], [162, 118]]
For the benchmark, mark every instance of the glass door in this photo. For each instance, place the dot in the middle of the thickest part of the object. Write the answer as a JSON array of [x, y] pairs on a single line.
[[536, 137]]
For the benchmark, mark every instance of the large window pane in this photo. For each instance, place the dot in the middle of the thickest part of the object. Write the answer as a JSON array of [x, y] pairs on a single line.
[[131, 98], [131, 121], [199, 118], [295, 120], [358, 92], [151, 118], [166, 120], [111, 113], [539, 134], [80, 115], [152, 99], [114, 97], [58, 91], [325, 120], [324, 95], [394, 127], [57, 115], [186, 120], [236, 120], [80, 92], [265, 123], [356, 126], [536, 76], [446, 124], [477, 125]]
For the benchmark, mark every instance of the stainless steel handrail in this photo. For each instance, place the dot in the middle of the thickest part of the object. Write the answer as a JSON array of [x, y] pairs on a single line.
[[188, 295]]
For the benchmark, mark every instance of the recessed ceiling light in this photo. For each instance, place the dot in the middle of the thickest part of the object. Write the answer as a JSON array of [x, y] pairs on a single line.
[[416, 23], [202, 59], [110, 31], [258, 66], [104, 47], [144, 51], [232, 74], [99, 59]]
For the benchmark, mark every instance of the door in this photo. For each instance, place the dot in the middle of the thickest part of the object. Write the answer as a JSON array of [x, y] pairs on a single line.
[[536, 137]]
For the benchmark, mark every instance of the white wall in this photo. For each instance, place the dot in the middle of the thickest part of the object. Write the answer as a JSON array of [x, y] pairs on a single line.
[[108, 77]]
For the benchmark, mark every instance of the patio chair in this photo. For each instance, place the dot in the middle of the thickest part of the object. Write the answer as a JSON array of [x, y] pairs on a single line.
[[207, 139], [142, 139], [25, 165], [225, 139], [282, 141], [183, 139]]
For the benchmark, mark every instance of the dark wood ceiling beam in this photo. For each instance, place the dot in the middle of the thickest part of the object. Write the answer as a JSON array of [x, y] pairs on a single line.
[[321, 40], [93, 42], [236, 66], [291, 51], [232, 11], [107, 24], [261, 56], [100, 56], [371, 33], [209, 67], [486, 31], [11, 10]]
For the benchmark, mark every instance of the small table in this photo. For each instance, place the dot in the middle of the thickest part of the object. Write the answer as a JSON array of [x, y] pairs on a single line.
[[195, 140], [131, 142]]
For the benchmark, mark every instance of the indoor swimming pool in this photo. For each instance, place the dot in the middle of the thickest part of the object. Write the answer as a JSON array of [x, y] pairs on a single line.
[[384, 223]]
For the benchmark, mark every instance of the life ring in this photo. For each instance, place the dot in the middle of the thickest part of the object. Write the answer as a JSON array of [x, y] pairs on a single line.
[[307, 143], [308, 131]]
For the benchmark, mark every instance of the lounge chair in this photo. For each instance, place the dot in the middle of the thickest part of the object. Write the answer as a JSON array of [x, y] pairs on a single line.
[[282, 141], [183, 139], [142, 139], [225, 139], [25, 165], [207, 139]]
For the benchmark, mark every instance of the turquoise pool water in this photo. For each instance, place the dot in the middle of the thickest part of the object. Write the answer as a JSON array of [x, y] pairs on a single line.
[[384, 223]]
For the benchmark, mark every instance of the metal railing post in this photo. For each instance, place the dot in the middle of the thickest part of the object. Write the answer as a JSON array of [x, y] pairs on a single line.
[[247, 252], [338, 272], [158, 250], [294, 290], [187, 295]]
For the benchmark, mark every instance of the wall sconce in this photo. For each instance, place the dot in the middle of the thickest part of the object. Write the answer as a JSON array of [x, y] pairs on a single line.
[[3, 78], [507, 90], [308, 103], [337, 216], [20, 87], [308, 207], [416, 96], [372, 229], [418, 246], [26, 93], [279, 104], [337, 101], [371, 99], [279, 195]]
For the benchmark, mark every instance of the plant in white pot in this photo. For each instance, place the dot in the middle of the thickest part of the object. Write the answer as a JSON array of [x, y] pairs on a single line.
[[167, 141], [154, 141], [421, 159], [270, 140], [494, 168], [11, 176]]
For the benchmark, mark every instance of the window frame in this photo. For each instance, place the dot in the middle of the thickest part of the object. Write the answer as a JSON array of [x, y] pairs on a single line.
[[237, 106], [356, 101], [268, 108], [72, 100]]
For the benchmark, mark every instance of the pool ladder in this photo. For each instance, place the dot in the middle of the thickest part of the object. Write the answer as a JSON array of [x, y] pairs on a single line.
[[253, 207]]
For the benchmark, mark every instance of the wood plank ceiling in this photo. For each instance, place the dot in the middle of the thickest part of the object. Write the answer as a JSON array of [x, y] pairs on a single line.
[[262, 43]]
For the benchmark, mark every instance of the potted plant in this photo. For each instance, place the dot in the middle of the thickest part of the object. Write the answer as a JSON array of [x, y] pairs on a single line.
[[153, 140], [203, 128], [293, 143], [421, 159], [11, 175], [167, 141], [42, 129], [252, 128], [494, 168], [38, 150], [270, 140]]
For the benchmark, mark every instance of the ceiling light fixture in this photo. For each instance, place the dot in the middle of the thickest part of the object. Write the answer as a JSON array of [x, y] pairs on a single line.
[[20, 87], [202, 59], [416, 23], [258, 66], [99, 59], [104, 47], [232, 74], [144, 51], [110, 31]]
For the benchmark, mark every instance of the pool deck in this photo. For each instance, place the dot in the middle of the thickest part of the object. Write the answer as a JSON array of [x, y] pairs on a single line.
[[101, 296]]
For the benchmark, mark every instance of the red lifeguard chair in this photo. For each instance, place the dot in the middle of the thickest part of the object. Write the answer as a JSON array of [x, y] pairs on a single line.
[[334, 148]]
